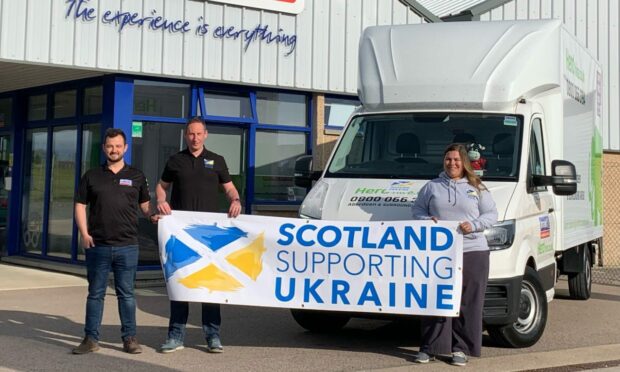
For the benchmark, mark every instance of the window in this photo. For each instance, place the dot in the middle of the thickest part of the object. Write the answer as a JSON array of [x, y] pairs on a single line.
[[412, 145], [93, 100], [282, 108], [228, 104], [33, 197], [275, 165], [37, 107], [149, 153], [338, 110], [64, 104], [5, 187], [6, 110], [537, 156], [274, 126], [62, 184], [91, 146], [61, 143], [160, 99]]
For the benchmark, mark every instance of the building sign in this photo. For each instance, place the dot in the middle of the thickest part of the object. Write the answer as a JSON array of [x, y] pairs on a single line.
[[136, 129], [399, 267], [83, 10], [285, 6]]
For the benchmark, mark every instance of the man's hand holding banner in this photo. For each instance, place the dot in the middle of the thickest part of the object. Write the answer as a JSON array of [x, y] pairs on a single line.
[[400, 267]]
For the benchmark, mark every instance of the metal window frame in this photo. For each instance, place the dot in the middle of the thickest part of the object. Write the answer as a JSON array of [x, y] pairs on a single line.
[[117, 111], [18, 130]]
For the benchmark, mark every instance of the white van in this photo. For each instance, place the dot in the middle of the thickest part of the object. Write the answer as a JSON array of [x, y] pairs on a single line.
[[530, 97]]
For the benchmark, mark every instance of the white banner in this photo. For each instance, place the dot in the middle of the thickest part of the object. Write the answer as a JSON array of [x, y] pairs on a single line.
[[400, 267]]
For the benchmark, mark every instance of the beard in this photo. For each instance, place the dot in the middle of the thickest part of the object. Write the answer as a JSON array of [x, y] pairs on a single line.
[[114, 158]]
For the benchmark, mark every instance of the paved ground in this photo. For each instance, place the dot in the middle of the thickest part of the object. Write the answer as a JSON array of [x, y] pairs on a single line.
[[41, 318]]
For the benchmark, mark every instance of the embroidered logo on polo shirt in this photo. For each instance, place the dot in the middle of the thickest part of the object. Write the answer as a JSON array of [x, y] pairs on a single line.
[[125, 182], [209, 163]]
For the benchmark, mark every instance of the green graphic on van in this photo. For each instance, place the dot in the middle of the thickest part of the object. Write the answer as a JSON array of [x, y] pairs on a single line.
[[596, 186], [571, 66], [544, 248]]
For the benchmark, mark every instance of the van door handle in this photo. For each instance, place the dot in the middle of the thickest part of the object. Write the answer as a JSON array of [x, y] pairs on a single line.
[[551, 210]]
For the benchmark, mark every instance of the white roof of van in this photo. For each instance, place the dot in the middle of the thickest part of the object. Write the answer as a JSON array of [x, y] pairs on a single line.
[[459, 65]]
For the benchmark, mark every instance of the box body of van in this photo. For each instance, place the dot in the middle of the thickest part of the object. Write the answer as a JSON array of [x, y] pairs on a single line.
[[527, 94]]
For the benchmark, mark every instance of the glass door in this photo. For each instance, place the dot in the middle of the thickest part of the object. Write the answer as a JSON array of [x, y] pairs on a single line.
[[153, 143], [5, 187], [62, 186], [230, 143], [33, 203], [151, 146]]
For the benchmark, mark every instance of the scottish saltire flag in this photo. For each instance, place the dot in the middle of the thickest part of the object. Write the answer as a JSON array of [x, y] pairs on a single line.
[[401, 267]]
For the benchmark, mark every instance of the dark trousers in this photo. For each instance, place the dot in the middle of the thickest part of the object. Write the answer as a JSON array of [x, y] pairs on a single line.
[[179, 312], [123, 262], [441, 335]]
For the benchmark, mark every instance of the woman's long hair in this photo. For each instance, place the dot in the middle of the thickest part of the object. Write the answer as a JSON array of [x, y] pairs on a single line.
[[472, 178]]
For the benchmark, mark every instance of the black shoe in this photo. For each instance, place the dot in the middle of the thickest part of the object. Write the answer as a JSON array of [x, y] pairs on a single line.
[[88, 345]]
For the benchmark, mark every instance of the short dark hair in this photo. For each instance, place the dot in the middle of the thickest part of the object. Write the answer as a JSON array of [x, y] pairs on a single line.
[[114, 132], [196, 119]]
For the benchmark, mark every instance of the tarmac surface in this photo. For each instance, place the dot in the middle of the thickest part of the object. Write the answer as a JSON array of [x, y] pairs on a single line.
[[42, 315]]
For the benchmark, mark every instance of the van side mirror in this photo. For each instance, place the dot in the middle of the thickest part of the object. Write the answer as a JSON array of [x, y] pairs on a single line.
[[304, 175], [563, 178]]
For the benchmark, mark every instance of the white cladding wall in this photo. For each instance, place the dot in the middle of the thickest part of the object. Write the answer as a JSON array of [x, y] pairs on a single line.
[[325, 57], [595, 24]]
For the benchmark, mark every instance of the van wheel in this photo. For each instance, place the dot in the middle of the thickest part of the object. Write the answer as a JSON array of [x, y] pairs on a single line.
[[532, 318], [320, 321], [580, 284]]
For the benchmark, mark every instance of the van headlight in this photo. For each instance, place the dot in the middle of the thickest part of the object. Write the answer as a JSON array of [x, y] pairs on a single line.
[[312, 206], [501, 235]]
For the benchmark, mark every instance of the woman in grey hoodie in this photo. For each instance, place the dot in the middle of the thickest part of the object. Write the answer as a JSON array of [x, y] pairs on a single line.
[[459, 195]]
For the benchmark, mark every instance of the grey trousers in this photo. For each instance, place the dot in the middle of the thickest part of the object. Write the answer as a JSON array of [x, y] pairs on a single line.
[[441, 335]]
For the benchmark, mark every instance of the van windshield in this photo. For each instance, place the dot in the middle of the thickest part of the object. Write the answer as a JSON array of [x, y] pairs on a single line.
[[412, 145]]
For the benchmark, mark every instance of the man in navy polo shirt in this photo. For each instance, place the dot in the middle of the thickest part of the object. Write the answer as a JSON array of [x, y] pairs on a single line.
[[113, 192], [195, 175]]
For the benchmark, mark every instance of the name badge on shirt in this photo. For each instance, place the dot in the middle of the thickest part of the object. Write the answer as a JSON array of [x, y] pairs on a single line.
[[124, 182], [209, 163]]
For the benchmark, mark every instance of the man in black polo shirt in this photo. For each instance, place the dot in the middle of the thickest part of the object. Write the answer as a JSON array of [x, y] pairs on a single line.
[[110, 238], [195, 175]]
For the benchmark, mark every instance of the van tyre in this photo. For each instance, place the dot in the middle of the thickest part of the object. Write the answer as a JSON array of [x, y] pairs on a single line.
[[532, 316], [580, 284], [320, 321]]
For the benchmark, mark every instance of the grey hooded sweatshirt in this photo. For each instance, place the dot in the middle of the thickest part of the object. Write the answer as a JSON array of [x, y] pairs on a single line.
[[457, 200]]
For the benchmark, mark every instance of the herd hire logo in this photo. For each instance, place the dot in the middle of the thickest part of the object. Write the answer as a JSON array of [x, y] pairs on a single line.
[[223, 259], [402, 186]]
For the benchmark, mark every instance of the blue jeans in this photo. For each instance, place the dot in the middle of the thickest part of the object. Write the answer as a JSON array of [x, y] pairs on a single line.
[[179, 311], [123, 261]]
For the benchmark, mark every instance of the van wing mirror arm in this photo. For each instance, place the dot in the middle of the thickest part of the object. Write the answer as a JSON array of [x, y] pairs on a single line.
[[539, 180]]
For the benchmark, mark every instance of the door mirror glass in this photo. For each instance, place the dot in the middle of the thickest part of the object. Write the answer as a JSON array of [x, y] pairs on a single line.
[[563, 178]]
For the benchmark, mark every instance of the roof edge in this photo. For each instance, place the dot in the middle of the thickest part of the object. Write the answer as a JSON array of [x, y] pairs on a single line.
[[473, 13], [420, 10]]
